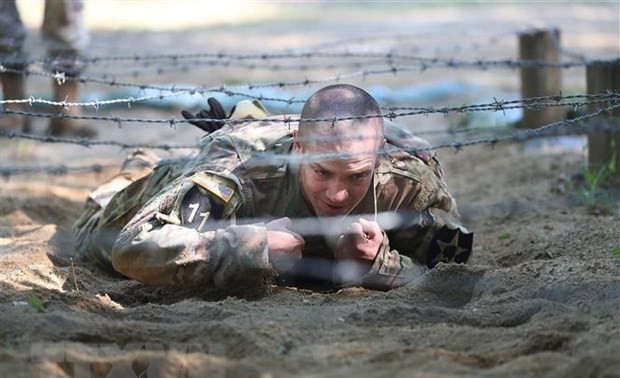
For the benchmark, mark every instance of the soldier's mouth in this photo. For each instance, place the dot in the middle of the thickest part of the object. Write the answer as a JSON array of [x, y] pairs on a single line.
[[333, 209]]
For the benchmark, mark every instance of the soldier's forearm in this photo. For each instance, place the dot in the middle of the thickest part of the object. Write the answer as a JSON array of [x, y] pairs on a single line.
[[173, 255]]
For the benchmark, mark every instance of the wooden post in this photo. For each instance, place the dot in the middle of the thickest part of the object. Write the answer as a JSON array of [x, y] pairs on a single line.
[[602, 77], [540, 45]]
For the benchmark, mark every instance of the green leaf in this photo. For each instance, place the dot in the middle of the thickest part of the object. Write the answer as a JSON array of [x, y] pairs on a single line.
[[611, 166], [589, 176], [616, 251], [36, 303]]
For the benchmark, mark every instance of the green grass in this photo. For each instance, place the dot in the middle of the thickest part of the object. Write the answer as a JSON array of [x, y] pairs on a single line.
[[36, 303], [503, 236], [589, 193]]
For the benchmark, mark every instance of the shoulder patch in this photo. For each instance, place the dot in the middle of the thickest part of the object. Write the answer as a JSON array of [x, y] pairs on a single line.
[[450, 245], [219, 187], [198, 209]]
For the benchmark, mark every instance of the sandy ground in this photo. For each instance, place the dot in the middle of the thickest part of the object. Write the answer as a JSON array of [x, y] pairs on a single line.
[[540, 297]]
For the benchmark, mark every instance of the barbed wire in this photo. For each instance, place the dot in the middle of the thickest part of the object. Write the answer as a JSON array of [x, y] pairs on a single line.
[[534, 103], [174, 91], [399, 38], [59, 170], [191, 65], [519, 135], [187, 65], [388, 56], [86, 142]]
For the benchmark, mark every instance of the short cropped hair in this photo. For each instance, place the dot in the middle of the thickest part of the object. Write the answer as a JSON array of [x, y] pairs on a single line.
[[340, 101]]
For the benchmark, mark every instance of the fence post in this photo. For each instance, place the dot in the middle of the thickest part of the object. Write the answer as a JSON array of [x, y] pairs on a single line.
[[540, 45], [602, 77]]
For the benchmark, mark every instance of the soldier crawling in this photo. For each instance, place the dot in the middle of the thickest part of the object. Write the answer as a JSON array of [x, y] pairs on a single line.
[[328, 203]]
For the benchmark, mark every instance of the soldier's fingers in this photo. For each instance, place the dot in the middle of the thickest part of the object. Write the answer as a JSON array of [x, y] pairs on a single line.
[[200, 124], [280, 223], [370, 228], [284, 222], [356, 234], [216, 108], [203, 113], [300, 240], [186, 114], [355, 229]]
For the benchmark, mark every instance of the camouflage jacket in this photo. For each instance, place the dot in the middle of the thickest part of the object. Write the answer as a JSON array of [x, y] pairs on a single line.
[[206, 225]]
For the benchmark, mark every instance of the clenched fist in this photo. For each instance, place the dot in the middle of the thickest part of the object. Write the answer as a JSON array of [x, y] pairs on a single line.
[[361, 241], [284, 246]]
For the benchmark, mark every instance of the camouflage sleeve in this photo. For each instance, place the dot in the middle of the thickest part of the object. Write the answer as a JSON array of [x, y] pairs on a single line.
[[433, 233], [391, 269], [185, 237]]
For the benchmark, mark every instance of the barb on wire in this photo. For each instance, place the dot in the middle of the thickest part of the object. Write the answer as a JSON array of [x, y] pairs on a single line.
[[519, 135]]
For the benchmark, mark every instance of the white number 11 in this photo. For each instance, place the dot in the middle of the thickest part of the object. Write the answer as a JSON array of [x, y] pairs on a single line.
[[192, 215]]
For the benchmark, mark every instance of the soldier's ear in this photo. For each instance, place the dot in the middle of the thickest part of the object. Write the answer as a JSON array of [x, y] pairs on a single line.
[[381, 147], [296, 144]]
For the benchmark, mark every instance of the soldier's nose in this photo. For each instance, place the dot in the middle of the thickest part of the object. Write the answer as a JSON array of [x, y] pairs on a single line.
[[337, 195]]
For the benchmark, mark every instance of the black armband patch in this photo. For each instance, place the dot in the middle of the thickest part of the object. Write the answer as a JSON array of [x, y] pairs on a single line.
[[198, 208], [450, 245]]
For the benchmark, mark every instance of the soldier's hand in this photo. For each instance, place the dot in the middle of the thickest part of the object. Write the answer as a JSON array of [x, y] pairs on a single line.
[[216, 111], [284, 246], [361, 241]]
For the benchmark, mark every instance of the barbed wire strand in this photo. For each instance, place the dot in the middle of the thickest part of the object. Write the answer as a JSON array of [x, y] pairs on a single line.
[[388, 56], [86, 142], [499, 105], [176, 91], [186, 65], [519, 135], [148, 68], [400, 39]]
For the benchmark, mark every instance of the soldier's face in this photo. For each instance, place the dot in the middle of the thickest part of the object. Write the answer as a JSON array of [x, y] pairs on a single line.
[[334, 187]]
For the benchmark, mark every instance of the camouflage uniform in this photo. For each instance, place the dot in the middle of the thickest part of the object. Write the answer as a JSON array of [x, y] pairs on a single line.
[[204, 224], [63, 31]]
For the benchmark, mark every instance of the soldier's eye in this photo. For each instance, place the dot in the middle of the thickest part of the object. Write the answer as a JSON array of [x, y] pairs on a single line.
[[321, 172], [360, 176]]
